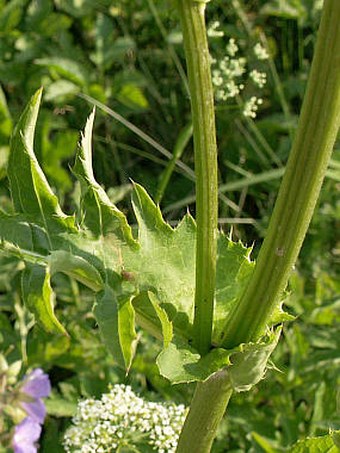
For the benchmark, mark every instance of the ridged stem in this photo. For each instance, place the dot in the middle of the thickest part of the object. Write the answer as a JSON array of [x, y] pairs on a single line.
[[206, 411], [317, 130], [203, 117]]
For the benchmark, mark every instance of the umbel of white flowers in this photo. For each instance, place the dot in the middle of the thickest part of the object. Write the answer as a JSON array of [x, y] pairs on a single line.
[[123, 419], [230, 72]]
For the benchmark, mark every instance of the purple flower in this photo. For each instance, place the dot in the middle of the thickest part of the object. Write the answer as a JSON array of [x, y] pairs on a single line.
[[35, 386], [25, 436]]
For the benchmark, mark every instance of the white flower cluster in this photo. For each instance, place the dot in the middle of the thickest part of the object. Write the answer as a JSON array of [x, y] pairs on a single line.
[[123, 419], [229, 72], [260, 52], [224, 77], [213, 31], [251, 106], [258, 77], [232, 47]]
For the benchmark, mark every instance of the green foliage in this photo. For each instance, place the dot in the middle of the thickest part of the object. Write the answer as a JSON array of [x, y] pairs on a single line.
[[328, 443], [100, 252], [247, 363], [123, 46], [38, 296]]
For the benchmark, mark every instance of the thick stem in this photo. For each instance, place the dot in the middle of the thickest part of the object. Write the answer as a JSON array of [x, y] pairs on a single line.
[[206, 411], [211, 397], [317, 130], [203, 117]]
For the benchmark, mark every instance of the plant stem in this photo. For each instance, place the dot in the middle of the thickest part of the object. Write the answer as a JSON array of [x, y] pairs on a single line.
[[206, 411], [203, 117], [211, 397], [317, 130]]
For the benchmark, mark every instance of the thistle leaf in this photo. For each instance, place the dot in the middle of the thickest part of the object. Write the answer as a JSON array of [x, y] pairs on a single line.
[[151, 279], [99, 215], [30, 190], [246, 364]]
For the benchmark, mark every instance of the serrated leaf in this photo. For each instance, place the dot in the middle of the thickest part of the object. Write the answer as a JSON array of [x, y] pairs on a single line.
[[325, 444], [116, 319], [233, 272], [30, 190], [98, 213], [161, 263], [166, 259], [148, 214], [39, 297], [279, 316], [250, 362], [246, 364]]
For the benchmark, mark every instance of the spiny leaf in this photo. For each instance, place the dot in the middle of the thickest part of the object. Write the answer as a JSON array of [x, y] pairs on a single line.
[[39, 297], [99, 215], [148, 214], [246, 364], [161, 263], [250, 362], [30, 190], [165, 262], [233, 271]]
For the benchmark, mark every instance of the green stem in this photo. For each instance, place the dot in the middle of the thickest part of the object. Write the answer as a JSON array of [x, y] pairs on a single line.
[[211, 397], [203, 117], [206, 411], [317, 130]]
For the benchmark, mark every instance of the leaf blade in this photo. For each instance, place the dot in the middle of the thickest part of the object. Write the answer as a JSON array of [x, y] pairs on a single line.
[[31, 193], [39, 297], [115, 317]]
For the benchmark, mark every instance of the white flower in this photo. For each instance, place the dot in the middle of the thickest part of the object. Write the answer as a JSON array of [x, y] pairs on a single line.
[[259, 78], [232, 47], [217, 78], [123, 418], [213, 32], [251, 106], [260, 52]]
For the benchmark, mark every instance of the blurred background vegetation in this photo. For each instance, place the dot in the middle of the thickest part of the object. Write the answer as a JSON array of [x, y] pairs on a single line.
[[126, 57]]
